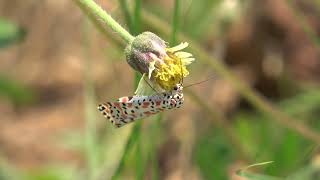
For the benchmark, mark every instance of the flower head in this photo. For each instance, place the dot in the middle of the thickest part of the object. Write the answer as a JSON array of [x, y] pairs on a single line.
[[165, 67], [172, 69]]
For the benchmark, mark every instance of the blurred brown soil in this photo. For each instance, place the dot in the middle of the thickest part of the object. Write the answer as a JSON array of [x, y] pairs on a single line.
[[51, 62], [270, 44]]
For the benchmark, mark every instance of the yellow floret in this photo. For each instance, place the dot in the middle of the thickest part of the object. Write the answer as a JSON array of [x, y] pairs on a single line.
[[171, 71]]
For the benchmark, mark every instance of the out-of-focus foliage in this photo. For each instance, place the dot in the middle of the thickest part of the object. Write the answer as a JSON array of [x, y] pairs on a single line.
[[64, 64], [307, 173], [213, 154], [9, 33], [14, 91], [51, 173]]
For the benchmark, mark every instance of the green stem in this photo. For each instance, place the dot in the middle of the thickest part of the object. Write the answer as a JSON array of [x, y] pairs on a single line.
[[175, 22], [95, 9], [136, 17], [90, 118], [134, 135], [125, 11]]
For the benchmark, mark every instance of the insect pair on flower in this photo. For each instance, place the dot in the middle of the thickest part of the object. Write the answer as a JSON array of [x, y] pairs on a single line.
[[160, 87]]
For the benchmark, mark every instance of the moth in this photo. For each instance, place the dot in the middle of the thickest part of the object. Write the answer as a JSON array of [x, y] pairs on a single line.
[[130, 108]]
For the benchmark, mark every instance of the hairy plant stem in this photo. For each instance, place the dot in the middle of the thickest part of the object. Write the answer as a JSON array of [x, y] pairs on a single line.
[[93, 8]]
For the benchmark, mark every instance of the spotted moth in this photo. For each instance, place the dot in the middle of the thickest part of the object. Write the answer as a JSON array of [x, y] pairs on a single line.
[[128, 109]]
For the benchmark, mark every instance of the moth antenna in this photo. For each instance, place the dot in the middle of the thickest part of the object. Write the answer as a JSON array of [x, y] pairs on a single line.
[[150, 85], [208, 79]]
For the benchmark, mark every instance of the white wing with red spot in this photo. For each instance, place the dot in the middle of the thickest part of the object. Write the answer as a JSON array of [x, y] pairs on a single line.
[[129, 109]]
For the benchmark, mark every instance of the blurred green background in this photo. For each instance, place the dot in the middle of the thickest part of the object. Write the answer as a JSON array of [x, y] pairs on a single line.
[[263, 103]]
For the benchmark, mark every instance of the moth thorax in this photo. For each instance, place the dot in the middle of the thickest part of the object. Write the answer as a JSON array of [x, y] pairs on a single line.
[[178, 100]]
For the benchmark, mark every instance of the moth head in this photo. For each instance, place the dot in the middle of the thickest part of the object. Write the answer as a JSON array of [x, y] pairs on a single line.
[[178, 88]]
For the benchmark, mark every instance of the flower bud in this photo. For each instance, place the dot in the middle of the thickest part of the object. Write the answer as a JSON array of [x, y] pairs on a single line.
[[144, 49], [165, 67]]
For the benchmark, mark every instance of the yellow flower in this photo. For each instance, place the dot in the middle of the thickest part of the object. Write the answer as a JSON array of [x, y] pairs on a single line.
[[172, 69]]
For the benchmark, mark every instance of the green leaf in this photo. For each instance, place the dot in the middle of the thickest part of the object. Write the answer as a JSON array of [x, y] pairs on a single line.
[[14, 91], [256, 176], [9, 33]]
